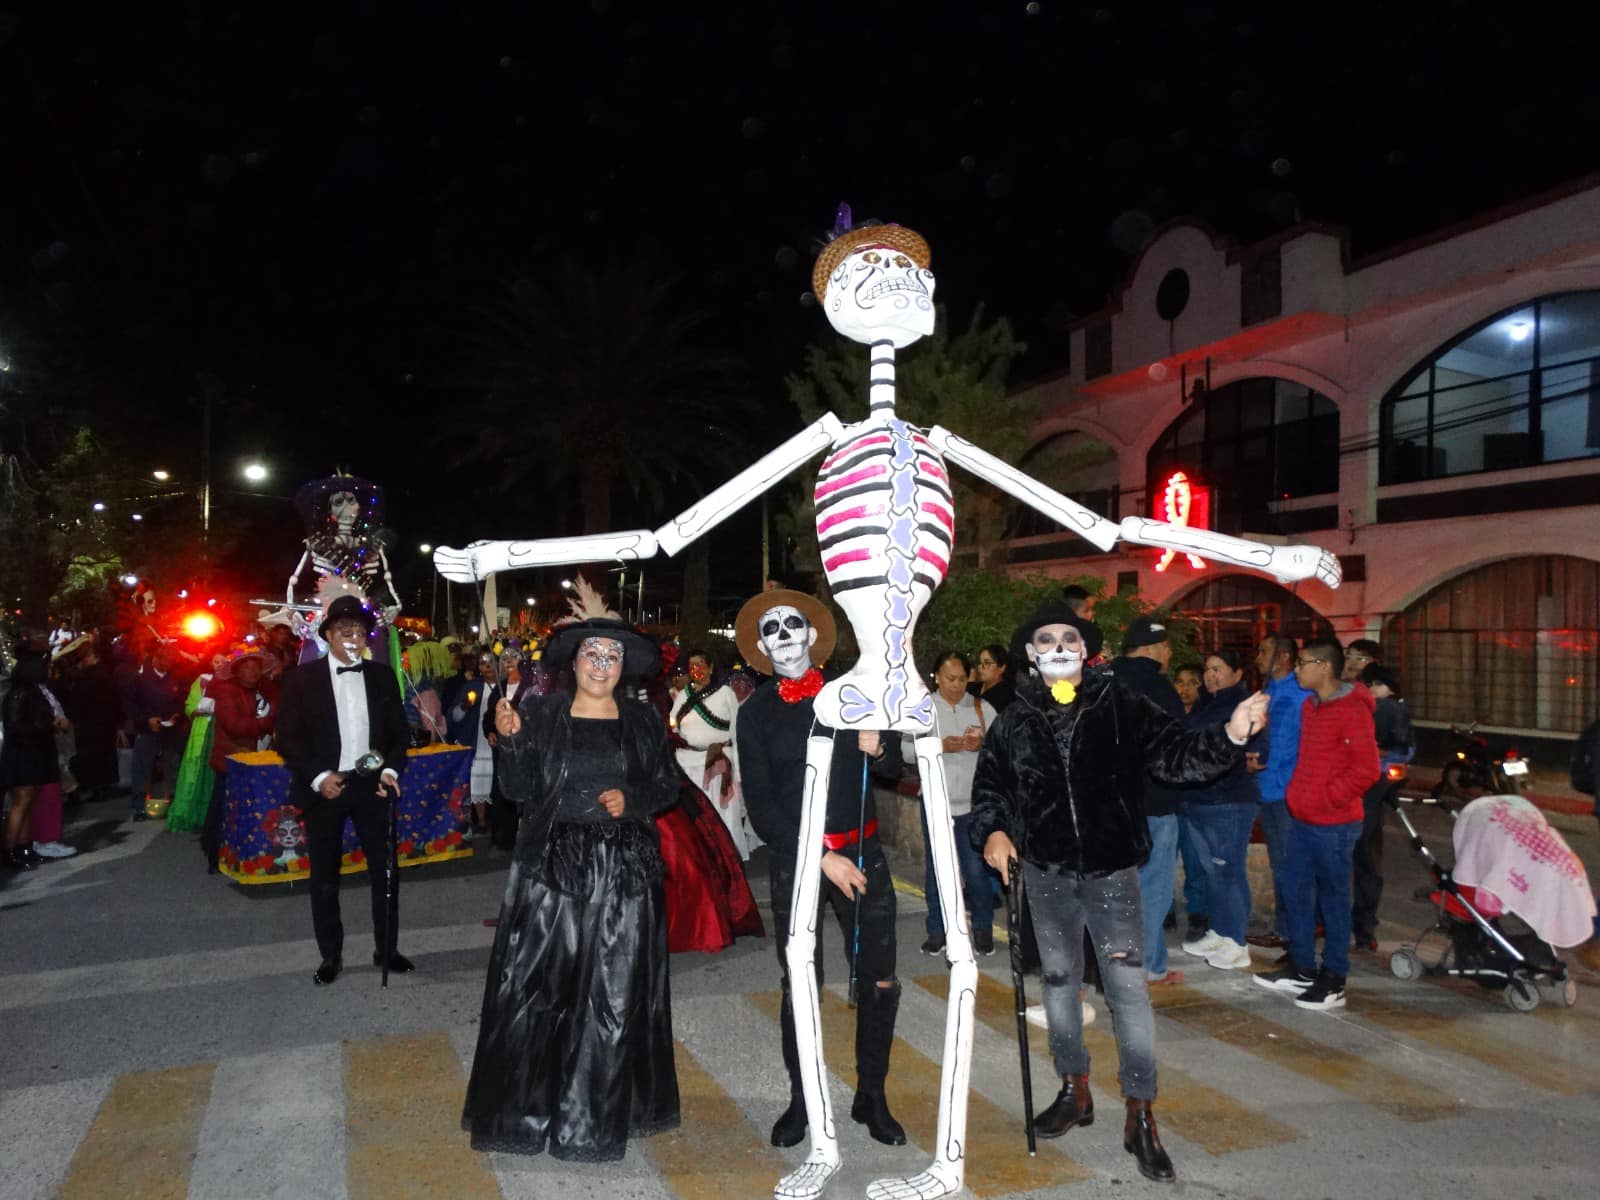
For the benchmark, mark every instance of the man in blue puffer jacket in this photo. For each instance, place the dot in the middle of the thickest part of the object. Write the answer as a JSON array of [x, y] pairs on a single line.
[[1285, 698]]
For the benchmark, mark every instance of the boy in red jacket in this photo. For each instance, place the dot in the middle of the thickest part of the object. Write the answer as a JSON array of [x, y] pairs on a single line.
[[1338, 762]]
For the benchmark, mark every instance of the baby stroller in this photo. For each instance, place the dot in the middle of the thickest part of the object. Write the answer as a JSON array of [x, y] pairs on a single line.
[[1516, 892]]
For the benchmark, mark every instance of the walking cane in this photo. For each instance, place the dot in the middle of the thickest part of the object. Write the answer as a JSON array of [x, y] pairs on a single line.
[[1013, 892], [390, 933], [861, 858]]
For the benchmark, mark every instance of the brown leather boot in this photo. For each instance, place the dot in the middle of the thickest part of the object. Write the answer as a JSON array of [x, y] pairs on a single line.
[[1072, 1107], [1141, 1139]]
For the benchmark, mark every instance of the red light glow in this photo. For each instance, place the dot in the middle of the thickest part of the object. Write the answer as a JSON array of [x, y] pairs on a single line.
[[1184, 504], [201, 626]]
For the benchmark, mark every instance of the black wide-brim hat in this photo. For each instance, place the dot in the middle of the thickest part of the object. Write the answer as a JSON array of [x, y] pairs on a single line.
[[1055, 613], [747, 627], [346, 606], [641, 657], [312, 500]]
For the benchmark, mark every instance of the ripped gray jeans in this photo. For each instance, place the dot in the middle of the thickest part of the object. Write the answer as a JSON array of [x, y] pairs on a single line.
[[1063, 904]]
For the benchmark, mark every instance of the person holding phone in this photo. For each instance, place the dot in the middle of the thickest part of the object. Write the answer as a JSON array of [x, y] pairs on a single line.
[[961, 720]]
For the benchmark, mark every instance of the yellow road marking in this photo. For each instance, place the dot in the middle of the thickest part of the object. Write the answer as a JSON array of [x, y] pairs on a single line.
[[403, 1123], [143, 1139], [1210, 1119], [1283, 1047], [715, 1154], [1466, 1037], [997, 1162]]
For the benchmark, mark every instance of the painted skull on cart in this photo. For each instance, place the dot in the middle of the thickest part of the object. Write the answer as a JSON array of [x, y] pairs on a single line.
[[877, 293]]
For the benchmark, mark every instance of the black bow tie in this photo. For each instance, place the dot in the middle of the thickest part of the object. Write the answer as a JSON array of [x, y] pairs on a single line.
[[346, 670]]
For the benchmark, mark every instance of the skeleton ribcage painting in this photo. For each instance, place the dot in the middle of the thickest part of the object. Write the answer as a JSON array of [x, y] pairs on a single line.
[[886, 529]]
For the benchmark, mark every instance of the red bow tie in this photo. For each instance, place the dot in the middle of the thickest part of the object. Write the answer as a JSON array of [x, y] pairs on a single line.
[[795, 690]]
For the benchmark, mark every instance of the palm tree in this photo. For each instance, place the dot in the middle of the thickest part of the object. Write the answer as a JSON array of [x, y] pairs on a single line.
[[593, 378]]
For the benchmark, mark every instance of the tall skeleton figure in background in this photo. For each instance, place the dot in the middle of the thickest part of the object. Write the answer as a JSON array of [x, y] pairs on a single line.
[[886, 526]]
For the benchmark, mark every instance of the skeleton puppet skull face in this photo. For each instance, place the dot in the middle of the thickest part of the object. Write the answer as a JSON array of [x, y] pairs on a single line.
[[878, 294], [787, 637], [345, 507]]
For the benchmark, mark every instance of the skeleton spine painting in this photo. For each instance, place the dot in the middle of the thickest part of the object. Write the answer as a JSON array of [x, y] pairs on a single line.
[[886, 528]]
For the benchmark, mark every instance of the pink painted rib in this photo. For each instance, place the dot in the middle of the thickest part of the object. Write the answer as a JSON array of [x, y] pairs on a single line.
[[930, 557], [844, 481], [848, 514], [880, 440], [849, 556], [942, 513], [936, 471]]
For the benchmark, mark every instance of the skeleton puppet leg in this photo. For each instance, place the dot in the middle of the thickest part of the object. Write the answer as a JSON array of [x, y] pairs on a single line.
[[945, 1174], [807, 1182]]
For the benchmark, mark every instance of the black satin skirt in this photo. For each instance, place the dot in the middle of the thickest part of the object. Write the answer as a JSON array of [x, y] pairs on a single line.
[[575, 1043]]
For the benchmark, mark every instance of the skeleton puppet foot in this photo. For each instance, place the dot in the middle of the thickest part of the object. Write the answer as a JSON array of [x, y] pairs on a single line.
[[940, 1179], [807, 1182]]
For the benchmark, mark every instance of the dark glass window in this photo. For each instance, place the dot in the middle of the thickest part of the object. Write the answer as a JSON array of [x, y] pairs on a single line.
[[1253, 442], [1519, 389]]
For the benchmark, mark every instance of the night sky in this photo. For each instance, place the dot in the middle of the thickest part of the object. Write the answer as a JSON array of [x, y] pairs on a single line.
[[312, 203]]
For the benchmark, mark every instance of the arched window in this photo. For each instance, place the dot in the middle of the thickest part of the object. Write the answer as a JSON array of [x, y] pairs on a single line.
[[1234, 612], [1519, 389], [1510, 644], [1253, 442]]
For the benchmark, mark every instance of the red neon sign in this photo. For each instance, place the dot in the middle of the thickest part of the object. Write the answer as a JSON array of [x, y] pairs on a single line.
[[1183, 504]]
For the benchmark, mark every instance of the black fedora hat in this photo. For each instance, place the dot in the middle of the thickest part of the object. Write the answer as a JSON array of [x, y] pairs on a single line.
[[345, 607]]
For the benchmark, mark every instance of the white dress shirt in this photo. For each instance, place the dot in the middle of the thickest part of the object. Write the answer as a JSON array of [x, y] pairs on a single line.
[[350, 702]]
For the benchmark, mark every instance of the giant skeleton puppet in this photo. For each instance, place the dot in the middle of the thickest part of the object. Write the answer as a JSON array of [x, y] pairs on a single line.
[[885, 525], [344, 555]]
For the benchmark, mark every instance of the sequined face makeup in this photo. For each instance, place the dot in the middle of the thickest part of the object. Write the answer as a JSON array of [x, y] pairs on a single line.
[[600, 654]]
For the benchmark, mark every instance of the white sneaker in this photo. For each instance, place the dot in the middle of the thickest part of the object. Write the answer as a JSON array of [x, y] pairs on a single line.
[[1229, 955], [54, 850], [1202, 946]]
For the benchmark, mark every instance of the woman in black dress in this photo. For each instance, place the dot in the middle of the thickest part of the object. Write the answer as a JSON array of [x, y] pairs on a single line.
[[28, 758], [575, 1042]]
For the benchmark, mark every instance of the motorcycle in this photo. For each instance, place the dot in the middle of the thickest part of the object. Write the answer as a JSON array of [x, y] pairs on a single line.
[[1476, 772]]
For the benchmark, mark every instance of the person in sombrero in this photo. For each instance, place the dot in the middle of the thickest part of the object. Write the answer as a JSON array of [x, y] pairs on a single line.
[[574, 1048], [789, 635]]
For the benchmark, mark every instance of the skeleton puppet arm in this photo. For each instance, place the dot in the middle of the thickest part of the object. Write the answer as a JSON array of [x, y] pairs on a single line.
[[481, 559], [1287, 563]]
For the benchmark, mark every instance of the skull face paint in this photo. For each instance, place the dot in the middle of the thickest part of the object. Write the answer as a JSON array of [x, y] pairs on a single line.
[[878, 294], [1057, 652], [787, 637]]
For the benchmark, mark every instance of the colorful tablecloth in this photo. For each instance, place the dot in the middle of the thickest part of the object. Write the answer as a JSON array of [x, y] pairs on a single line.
[[263, 838]]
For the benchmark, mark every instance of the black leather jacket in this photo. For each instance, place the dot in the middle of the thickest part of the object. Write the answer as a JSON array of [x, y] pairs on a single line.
[[1066, 781], [533, 766]]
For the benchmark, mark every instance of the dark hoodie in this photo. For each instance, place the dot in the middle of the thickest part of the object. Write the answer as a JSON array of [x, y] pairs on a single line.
[[1338, 758]]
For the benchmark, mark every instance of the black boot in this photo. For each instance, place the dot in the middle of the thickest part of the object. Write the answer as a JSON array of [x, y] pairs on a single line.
[[1140, 1139], [1072, 1107], [875, 1015], [790, 1128]]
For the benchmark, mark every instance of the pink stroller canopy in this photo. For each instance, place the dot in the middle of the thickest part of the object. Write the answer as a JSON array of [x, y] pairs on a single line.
[[1505, 847]]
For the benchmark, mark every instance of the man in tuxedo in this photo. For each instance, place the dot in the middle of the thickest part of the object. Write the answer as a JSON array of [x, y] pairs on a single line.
[[332, 713]]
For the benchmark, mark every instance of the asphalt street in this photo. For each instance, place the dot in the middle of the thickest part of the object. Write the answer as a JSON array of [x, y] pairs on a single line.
[[163, 1039]]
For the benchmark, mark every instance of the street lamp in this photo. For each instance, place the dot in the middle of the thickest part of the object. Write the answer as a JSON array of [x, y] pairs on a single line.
[[136, 516], [532, 600], [255, 472], [425, 548], [161, 476], [98, 506], [566, 585]]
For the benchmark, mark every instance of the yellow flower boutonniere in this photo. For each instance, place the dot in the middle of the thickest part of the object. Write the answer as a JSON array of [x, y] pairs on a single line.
[[1063, 691]]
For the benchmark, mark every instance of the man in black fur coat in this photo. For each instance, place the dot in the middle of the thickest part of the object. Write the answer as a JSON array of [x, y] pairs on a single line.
[[1060, 790]]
